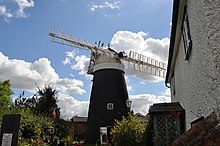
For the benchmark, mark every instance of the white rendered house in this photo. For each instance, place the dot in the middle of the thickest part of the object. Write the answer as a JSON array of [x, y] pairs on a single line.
[[193, 72]]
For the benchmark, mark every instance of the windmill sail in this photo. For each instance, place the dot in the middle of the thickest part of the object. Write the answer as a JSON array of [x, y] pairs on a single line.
[[145, 64]]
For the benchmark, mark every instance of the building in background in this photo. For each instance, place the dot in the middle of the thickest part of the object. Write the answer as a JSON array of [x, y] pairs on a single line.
[[79, 128], [193, 72]]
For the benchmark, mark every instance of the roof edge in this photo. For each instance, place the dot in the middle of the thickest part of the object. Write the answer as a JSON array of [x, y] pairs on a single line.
[[173, 36]]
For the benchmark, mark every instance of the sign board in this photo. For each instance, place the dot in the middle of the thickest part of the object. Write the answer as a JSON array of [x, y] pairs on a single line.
[[9, 130], [6, 139], [103, 135]]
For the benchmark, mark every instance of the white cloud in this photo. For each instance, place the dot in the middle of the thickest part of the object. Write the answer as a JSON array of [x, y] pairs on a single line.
[[71, 54], [25, 75], [5, 12], [143, 83], [78, 63], [105, 5], [154, 48], [129, 88], [22, 5], [17, 11], [82, 63], [142, 102], [150, 47], [66, 61], [167, 92], [70, 85], [69, 106], [69, 57]]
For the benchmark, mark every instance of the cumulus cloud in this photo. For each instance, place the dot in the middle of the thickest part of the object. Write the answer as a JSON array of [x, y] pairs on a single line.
[[67, 61], [17, 11], [129, 88], [25, 75], [82, 63], [69, 106], [105, 5], [137, 42], [5, 12], [142, 102], [78, 62], [70, 54], [22, 5], [69, 57], [150, 47]]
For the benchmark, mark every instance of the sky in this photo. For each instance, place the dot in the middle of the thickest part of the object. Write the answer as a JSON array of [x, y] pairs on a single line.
[[30, 60]]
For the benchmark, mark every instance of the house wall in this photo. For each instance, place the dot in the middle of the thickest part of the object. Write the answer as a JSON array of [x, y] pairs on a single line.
[[197, 81], [79, 130]]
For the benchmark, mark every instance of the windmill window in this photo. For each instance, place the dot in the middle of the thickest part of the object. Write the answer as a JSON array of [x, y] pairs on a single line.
[[110, 106], [186, 35]]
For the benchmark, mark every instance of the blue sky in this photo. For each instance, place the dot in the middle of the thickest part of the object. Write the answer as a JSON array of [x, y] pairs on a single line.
[[27, 56]]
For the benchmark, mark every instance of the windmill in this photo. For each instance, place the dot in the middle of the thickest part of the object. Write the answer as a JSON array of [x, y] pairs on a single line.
[[109, 96]]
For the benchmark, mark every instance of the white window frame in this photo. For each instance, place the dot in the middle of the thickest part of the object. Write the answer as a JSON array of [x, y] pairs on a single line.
[[186, 35], [110, 106]]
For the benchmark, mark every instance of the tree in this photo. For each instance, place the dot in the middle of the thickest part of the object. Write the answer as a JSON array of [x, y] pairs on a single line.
[[38, 126], [5, 93], [127, 132], [32, 130], [46, 102], [25, 102]]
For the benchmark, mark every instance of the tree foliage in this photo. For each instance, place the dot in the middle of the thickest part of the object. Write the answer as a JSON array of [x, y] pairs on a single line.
[[5, 93], [25, 102], [43, 103], [127, 132], [46, 103], [38, 124], [63, 128], [32, 129]]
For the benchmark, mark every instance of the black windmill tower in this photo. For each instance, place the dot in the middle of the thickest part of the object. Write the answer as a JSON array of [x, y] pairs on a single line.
[[109, 97]]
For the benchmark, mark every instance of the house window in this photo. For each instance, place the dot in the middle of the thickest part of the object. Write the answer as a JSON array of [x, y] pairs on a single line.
[[110, 106], [186, 35]]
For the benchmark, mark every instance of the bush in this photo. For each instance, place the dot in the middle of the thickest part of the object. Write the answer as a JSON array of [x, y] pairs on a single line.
[[128, 132], [32, 127]]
